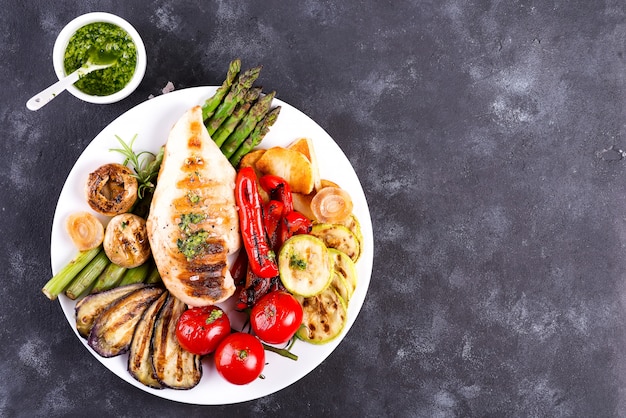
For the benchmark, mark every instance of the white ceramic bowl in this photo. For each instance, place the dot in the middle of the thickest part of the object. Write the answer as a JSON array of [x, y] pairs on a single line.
[[64, 37]]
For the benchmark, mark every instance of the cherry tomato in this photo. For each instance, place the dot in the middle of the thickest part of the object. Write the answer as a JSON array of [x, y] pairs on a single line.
[[200, 330], [240, 358], [276, 317]]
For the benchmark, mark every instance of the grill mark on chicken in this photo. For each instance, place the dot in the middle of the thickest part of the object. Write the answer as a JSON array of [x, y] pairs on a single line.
[[193, 220]]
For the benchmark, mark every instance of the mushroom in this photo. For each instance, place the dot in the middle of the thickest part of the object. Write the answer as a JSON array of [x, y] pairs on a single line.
[[126, 240], [111, 189]]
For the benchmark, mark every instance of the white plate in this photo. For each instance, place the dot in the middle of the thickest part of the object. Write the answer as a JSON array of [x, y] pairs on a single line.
[[151, 122]]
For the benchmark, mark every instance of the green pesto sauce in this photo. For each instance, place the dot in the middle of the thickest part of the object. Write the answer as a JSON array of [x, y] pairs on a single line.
[[193, 245], [108, 38]]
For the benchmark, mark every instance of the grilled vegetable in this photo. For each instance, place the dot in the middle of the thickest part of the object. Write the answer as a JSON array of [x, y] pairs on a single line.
[[111, 189], [174, 367], [325, 316], [113, 329], [126, 240], [304, 265], [331, 205], [85, 230], [109, 278], [341, 286], [344, 266], [91, 306], [260, 255], [60, 281], [338, 237], [87, 276], [140, 351]]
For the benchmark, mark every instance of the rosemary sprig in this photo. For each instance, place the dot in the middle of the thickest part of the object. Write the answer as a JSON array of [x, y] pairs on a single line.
[[145, 164]]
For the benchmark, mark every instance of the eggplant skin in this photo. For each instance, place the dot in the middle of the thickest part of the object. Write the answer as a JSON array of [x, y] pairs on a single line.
[[174, 367], [140, 351], [113, 329], [91, 306]]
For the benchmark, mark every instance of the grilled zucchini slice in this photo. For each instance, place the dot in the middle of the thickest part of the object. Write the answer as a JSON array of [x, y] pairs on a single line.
[[140, 351], [353, 224], [174, 367], [325, 316], [338, 237], [113, 330], [91, 306], [341, 286], [304, 265], [344, 266]]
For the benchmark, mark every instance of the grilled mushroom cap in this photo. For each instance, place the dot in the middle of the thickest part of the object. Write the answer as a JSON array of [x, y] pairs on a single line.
[[111, 189]]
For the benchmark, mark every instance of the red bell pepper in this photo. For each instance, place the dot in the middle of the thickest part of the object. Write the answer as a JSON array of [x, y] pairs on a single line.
[[294, 223], [256, 287], [261, 257], [278, 189], [272, 215], [239, 268]]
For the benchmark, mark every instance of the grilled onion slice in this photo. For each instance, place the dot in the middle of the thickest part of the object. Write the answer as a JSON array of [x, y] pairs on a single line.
[[331, 205], [111, 189], [85, 230]]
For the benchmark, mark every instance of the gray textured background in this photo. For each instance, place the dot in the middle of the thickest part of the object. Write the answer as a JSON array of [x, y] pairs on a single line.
[[487, 136]]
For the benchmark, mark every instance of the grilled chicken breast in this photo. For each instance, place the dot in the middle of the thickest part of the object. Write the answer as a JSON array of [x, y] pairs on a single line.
[[193, 223]]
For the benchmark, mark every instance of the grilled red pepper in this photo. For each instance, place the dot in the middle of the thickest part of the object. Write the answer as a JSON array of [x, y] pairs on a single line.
[[256, 287], [261, 257], [294, 223], [278, 189], [239, 268], [272, 214]]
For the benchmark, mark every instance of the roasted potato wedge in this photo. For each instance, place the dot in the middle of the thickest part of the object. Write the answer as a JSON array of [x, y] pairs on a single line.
[[289, 164], [113, 329], [305, 147]]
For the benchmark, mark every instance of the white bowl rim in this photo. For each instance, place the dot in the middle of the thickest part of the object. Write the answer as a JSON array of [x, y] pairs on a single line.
[[63, 39]]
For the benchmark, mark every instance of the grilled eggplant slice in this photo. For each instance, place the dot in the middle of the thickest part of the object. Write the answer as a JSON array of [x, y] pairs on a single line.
[[91, 306], [140, 351], [113, 330], [174, 367]]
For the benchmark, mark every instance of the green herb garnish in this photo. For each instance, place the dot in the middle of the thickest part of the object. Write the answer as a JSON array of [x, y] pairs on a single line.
[[145, 164]]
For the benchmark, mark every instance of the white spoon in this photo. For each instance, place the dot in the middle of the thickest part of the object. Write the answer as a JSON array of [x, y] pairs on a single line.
[[97, 60]]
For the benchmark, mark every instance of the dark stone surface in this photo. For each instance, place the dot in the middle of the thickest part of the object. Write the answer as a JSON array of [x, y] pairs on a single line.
[[487, 136]]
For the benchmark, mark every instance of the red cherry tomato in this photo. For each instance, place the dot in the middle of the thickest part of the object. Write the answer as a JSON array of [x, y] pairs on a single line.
[[200, 330], [276, 317], [240, 358]]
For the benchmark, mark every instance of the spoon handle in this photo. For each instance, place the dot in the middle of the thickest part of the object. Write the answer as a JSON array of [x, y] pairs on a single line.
[[44, 97]]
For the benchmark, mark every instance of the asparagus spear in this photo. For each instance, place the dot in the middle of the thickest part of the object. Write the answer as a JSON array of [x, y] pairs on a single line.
[[153, 276], [209, 106], [247, 124], [57, 284], [109, 278], [256, 136], [135, 275], [87, 276], [232, 99], [238, 114]]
